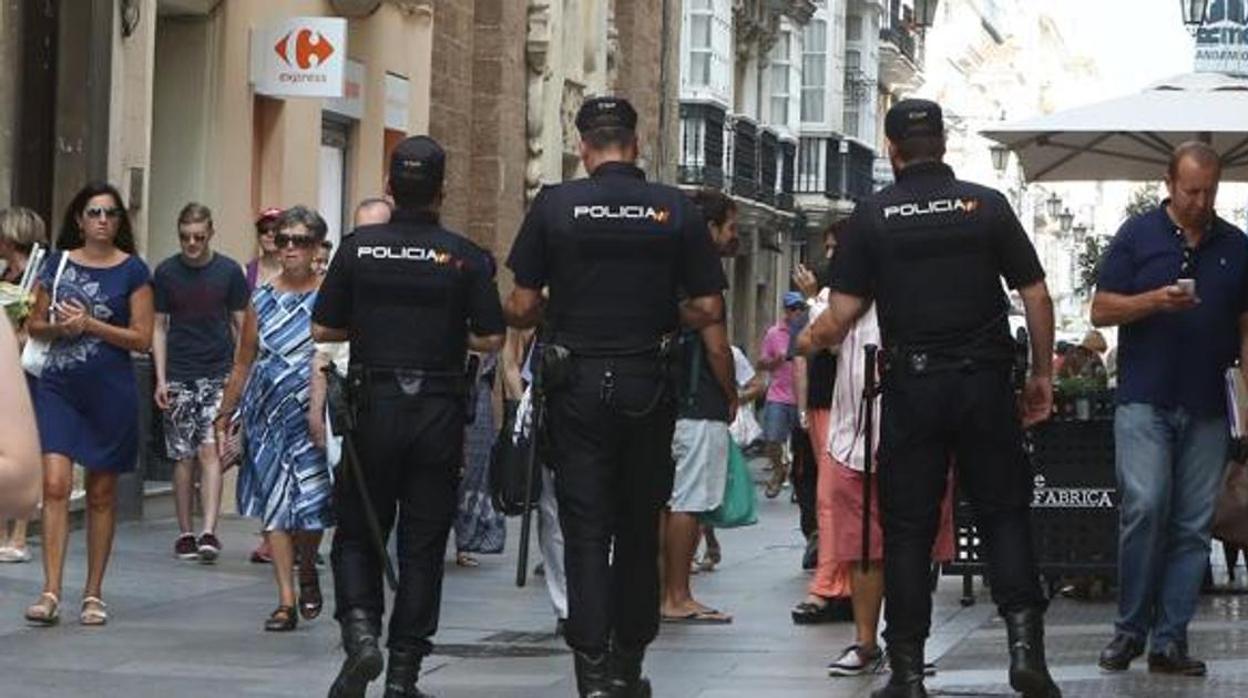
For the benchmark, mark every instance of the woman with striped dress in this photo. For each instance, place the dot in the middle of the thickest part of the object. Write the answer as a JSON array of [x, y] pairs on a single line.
[[284, 479]]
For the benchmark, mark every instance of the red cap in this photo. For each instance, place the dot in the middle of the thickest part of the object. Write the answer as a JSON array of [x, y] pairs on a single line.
[[269, 214]]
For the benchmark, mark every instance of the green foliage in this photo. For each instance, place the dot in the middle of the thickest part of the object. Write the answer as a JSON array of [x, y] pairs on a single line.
[[1088, 261], [1145, 198]]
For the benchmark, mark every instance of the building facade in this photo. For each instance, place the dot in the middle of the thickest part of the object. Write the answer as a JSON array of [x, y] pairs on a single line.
[[781, 105]]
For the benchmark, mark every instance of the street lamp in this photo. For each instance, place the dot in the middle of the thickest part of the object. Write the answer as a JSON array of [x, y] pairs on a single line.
[[1066, 219], [1054, 205], [1000, 157], [1081, 231], [925, 12], [1194, 12]]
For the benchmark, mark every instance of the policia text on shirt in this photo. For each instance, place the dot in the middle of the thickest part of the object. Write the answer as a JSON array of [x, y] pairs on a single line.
[[615, 252], [931, 252], [412, 298]]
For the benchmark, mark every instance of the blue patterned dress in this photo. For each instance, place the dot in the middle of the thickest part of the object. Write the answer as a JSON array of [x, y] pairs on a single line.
[[284, 480], [87, 401]]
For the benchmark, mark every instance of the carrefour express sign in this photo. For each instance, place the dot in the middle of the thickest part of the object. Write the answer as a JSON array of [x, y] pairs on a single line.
[[300, 57]]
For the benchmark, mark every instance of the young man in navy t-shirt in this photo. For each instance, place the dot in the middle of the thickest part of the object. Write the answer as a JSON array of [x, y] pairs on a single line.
[[201, 297]]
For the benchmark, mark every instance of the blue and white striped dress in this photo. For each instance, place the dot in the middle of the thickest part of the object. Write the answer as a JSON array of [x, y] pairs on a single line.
[[284, 479]]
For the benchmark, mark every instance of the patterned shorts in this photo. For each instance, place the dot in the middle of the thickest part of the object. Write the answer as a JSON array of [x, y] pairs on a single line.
[[188, 421]]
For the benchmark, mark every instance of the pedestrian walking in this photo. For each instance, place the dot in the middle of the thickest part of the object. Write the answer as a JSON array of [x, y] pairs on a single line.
[[479, 529], [267, 262], [283, 479], [828, 594], [86, 398], [780, 416], [20, 467], [201, 300], [614, 251], [408, 393], [706, 403], [1175, 280], [931, 251], [20, 230]]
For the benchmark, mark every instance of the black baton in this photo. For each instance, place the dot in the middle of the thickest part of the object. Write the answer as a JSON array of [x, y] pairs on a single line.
[[346, 421], [536, 415], [869, 392]]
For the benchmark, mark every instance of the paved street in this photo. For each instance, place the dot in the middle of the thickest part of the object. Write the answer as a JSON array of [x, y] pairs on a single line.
[[181, 629]]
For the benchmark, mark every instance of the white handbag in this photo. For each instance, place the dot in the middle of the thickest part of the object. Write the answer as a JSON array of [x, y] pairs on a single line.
[[35, 353]]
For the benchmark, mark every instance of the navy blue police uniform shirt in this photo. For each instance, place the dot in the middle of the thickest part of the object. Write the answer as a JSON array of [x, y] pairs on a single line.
[[1178, 359], [409, 292], [200, 302], [615, 252], [931, 250]]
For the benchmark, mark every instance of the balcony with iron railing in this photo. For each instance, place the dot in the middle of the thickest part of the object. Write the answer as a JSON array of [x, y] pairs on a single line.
[[901, 50], [702, 145], [836, 168]]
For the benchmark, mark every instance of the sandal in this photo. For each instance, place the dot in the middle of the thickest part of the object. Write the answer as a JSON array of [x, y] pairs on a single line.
[[283, 619], [46, 611], [466, 560], [94, 611], [310, 599]]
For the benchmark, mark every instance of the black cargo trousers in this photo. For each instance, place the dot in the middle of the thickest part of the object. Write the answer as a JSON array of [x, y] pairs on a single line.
[[611, 451], [966, 416], [411, 452]]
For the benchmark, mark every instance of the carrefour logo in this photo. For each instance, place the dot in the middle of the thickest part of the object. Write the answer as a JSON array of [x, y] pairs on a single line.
[[304, 49]]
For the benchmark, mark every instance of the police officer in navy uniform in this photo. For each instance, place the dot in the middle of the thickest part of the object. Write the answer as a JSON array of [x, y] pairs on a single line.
[[617, 254], [412, 297], [931, 251]]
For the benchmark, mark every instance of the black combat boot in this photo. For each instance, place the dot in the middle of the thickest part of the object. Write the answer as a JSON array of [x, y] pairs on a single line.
[[1029, 674], [906, 662], [626, 676], [364, 661], [401, 675], [593, 676]]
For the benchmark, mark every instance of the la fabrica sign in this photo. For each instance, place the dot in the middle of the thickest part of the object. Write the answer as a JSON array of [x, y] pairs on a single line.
[[1222, 41], [300, 57]]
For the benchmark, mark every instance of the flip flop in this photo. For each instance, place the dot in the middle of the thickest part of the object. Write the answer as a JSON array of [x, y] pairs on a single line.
[[708, 617]]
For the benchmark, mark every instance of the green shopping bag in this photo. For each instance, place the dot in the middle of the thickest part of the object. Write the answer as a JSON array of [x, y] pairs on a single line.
[[738, 507]]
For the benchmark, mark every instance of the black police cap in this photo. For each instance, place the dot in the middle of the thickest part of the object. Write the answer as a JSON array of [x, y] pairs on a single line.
[[417, 165], [914, 117], [606, 112]]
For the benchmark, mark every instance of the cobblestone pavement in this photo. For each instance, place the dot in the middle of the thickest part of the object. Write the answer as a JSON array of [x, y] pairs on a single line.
[[185, 630]]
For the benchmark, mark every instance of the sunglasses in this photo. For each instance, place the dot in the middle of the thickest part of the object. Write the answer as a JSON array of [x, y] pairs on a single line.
[[302, 242], [192, 238], [98, 212]]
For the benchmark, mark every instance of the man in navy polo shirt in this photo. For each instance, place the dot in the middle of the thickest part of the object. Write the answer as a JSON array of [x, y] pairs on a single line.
[[1176, 280]]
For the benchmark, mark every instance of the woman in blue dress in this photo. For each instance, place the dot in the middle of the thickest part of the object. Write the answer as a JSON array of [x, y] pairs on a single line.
[[86, 400], [284, 480]]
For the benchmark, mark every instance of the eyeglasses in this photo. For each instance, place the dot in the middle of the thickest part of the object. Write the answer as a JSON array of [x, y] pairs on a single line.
[[302, 242], [98, 212], [266, 230], [184, 237]]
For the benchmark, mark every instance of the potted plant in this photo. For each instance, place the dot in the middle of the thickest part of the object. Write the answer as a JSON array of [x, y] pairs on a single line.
[[1078, 391]]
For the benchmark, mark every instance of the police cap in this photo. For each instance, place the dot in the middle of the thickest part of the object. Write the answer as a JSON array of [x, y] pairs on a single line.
[[417, 166], [606, 112], [911, 118]]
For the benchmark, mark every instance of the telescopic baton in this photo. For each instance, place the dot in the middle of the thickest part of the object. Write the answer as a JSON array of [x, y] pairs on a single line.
[[537, 414], [343, 418], [869, 392]]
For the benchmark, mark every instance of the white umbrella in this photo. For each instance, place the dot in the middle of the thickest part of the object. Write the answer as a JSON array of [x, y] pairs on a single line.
[[1131, 138]]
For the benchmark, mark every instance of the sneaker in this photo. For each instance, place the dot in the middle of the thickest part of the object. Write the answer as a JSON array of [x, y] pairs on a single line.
[[855, 662], [15, 555], [185, 548], [208, 548]]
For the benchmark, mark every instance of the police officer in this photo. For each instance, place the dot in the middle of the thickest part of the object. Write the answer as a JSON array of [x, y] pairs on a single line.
[[412, 297], [615, 251], [931, 251]]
